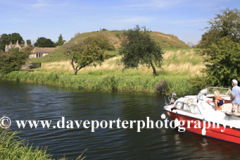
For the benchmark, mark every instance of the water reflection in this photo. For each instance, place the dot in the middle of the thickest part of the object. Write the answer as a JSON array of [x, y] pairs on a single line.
[[39, 102]]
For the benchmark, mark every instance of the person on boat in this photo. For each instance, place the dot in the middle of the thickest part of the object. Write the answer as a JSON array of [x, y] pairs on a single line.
[[208, 101], [235, 97], [218, 102]]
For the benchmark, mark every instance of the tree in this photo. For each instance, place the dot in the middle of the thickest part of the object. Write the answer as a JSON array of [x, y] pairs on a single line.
[[29, 42], [4, 40], [102, 41], [14, 37], [84, 53], [138, 47], [226, 24], [44, 42], [220, 50], [13, 60], [222, 62], [208, 38], [60, 41]]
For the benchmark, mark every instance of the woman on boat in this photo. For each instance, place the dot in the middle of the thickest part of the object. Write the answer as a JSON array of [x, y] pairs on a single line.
[[210, 102], [218, 101]]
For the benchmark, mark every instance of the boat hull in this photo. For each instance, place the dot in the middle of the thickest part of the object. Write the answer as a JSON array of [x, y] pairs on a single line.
[[225, 133]]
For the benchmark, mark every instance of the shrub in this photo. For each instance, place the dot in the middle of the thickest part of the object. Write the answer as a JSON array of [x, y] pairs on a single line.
[[161, 87], [13, 60], [117, 35]]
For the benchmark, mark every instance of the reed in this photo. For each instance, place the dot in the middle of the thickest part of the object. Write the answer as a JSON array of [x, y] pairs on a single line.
[[11, 148], [133, 83]]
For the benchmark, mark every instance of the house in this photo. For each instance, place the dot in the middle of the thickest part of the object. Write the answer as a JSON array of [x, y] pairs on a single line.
[[41, 51], [35, 53]]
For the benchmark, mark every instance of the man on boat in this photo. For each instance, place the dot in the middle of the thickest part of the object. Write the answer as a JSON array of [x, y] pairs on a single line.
[[235, 97]]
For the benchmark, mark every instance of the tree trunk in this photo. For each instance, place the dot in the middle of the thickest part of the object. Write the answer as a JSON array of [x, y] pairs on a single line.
[[154, 70], [77, 68], [74, 68], [75, 71]]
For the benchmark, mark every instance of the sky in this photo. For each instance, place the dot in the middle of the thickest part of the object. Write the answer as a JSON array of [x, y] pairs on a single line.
[[185, 19]]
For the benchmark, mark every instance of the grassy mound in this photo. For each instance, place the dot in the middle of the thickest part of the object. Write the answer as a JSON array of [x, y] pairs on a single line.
[[166, 41]]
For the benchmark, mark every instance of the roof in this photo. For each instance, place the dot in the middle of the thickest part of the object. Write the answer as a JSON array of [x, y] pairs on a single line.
[[43, 49]]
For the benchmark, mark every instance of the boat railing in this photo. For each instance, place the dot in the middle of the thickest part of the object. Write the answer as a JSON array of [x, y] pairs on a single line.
[[171, 99]]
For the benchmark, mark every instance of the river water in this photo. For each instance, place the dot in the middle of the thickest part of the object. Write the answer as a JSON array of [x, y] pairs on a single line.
[[22, 101]]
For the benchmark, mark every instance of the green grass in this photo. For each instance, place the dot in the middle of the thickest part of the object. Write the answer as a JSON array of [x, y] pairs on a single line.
[[13, 147], [57, 55], [10, 148], [112, 53], [99, 81], [175, 62], [183, 56], [178, 65]]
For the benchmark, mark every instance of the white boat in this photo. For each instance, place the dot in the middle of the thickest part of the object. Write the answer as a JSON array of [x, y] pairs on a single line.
[[201, 117]]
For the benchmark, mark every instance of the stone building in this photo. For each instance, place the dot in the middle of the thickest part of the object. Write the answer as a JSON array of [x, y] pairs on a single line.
[[11, 46], [41, 51], [35, 53]]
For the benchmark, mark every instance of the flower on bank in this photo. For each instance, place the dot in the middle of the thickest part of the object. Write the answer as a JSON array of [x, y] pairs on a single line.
[[162, 86]]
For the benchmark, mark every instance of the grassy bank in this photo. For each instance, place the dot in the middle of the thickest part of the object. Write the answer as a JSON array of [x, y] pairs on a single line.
[[133, 83], [13, 147], [175, 62], [10, 148], [177, 67]]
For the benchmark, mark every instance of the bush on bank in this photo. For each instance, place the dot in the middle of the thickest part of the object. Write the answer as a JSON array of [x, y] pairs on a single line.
[[136, 83]]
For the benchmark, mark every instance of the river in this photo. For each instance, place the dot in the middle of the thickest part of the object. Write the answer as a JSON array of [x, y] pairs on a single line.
[[22, 101]]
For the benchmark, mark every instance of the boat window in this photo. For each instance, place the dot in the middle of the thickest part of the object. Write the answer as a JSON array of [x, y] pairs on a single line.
[[186, 107], [200, 96], [179, 105], [194, 109]]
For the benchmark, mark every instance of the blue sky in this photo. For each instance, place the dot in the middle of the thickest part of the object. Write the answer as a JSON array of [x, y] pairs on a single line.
[[186, 19]]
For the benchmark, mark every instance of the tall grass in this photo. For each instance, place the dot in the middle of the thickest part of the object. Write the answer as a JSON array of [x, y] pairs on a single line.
[[133, 83], [175, 62], [11, 148]]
